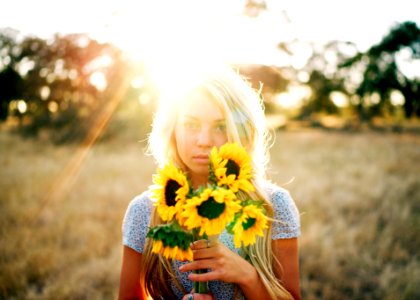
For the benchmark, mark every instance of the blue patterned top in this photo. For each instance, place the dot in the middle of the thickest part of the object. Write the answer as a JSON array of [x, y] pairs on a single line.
[[136, 225]]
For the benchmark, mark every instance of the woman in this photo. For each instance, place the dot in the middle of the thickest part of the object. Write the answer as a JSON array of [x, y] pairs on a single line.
[[215, 108]]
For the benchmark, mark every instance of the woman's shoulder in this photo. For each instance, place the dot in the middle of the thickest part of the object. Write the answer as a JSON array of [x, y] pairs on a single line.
[[270, 186], [277, 193], [285, 211], [136, 221], [139, 209], [141, 202]]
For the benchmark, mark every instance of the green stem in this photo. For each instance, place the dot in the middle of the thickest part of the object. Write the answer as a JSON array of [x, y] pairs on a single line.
[[200, 287]]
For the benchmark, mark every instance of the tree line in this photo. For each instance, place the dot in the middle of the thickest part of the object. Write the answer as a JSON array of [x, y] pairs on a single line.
[[63, 83]]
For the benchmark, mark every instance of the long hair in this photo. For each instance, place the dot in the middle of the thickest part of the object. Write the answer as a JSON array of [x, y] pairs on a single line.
[[245, 122]]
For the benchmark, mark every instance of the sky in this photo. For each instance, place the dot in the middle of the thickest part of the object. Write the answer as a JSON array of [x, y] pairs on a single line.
[[146, 28]]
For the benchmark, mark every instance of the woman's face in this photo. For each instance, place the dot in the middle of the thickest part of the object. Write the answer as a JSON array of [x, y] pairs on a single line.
[[200, 126]]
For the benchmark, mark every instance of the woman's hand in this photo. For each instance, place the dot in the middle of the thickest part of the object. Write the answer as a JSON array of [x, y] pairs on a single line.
[[224, 264]]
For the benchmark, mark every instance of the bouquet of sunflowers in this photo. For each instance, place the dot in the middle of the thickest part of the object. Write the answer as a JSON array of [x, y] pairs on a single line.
[[191, 215]]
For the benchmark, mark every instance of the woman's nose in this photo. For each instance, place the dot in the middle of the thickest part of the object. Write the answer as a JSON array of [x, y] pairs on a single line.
[[204, 137]]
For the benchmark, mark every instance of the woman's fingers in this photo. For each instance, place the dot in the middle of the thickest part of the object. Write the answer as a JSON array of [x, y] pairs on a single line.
[[206, 276], [196, 265], [203, 249], [220, 261], [202, 244]]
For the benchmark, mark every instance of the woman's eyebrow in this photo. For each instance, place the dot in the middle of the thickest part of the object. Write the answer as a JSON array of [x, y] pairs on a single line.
[[189, 117], [198, 119]]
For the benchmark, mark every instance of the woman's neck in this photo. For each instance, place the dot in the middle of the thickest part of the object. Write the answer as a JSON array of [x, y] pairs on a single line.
[[198, 181]]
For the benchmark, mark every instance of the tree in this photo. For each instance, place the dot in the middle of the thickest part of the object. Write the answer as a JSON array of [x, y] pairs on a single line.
[[382, 75], [10, 79], [11, 87], [324, 77], [269, 80], [65, 82]]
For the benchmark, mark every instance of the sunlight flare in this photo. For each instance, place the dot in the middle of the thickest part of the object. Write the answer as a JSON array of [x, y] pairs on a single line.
[[63, 182]]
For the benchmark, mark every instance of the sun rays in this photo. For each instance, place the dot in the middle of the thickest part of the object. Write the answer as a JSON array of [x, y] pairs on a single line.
[[61, 185]]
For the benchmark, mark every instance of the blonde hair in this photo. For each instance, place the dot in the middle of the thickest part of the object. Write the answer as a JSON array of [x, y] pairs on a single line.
[[245, 123]]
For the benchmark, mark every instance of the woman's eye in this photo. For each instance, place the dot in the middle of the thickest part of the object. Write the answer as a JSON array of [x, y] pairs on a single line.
[[191, 125], [221, 128]]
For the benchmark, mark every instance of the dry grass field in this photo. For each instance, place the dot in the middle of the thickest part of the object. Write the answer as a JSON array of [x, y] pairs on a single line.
[[358, 194]]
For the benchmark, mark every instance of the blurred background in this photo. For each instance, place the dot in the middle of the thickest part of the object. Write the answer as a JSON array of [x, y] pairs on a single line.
[[79, 83]]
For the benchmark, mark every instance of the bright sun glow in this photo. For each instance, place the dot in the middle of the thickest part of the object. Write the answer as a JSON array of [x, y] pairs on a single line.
[[293, 97], [154, 28], [173, 36]]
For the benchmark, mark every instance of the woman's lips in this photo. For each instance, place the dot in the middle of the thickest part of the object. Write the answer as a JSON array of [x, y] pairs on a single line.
[[201, 159]]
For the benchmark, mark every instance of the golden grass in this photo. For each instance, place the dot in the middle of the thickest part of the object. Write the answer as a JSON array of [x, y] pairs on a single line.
[[358, 194]]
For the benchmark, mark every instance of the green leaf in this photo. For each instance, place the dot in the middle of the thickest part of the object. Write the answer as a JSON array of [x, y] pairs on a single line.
[[229, 227]]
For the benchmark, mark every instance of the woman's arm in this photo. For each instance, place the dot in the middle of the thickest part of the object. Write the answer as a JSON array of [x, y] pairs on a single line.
[[287, 253], [130, 276]]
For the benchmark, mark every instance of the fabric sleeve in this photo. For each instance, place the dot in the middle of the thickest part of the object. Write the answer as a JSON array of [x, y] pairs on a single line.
[[136, 222], [286, 215]]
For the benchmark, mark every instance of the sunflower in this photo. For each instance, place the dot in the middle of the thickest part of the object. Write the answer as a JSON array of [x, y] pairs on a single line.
[[231, 166], [251, 223], [169, 191], [172, 253], [211, 211], [171, 241]]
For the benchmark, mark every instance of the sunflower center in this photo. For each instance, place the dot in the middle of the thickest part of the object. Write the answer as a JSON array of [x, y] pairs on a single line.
[[232, 168], [170, 192], [211, 209], [249, 223]]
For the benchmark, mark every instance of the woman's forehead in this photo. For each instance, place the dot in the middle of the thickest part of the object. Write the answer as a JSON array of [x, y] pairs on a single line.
[[200, 102]]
